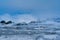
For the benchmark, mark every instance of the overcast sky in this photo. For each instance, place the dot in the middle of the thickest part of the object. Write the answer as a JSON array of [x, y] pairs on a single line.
[[39, 8]]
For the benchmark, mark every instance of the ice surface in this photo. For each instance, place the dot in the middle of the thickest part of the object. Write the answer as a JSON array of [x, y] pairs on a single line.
[[30, 31], [15, 37]]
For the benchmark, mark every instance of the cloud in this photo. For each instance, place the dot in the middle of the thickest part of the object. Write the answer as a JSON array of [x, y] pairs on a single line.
[[18, 18], [5, 17], [39, 8], [26, 18]]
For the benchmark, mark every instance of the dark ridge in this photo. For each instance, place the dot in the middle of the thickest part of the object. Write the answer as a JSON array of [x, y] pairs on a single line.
[[3, 22], [9, 22]]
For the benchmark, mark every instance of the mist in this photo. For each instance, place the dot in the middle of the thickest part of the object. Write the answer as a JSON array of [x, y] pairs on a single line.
[[18, 18]]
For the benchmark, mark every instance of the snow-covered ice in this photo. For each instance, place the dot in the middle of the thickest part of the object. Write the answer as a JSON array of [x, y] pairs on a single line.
[[30, 31]]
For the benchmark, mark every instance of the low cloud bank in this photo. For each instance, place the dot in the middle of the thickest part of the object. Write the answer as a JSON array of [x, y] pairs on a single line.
[[18, 18]]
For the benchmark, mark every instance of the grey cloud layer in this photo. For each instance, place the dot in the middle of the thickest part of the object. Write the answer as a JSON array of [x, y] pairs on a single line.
[[18, 18]]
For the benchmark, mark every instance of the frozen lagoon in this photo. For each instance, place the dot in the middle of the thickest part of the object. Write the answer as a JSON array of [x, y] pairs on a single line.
[[30, 37], [45, 34], [30, 32]]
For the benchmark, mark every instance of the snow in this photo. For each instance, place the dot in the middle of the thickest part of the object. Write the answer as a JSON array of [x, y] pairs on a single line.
[[39, 31], [16, 37]]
